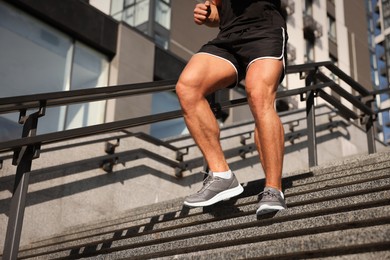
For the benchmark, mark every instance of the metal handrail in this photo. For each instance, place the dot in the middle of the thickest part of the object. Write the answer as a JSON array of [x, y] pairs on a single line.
[[87, 131], [133, 122], [18, 103]]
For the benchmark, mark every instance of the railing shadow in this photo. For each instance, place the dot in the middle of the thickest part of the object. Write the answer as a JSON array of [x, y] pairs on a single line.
[[89, 183], [82, 166], [222, 210]]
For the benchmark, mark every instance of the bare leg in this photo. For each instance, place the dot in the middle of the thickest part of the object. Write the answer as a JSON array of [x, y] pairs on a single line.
[[203, 75], [261, 84]]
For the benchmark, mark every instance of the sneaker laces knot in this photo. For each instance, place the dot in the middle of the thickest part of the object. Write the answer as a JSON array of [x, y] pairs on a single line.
[[206, 181], [267, 193]]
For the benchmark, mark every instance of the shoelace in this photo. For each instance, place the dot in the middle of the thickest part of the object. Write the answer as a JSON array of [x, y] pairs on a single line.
[[267, 193], [207, 181]]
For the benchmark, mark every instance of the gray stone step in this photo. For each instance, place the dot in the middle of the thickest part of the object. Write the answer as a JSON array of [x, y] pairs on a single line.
[[289, 230], [318, 174], [321, 214], [301, 183], [321, 174], [368, 239], [345, 192]]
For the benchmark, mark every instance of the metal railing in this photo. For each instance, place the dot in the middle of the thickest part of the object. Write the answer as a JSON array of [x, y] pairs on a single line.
[[27, 148]]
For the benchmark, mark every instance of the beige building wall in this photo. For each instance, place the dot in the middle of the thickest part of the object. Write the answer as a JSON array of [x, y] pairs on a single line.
[[187, 37], [132, 64], [103, 6], [355, 21]]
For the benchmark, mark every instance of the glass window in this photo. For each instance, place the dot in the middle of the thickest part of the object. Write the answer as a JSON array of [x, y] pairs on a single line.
[[163, 14], [33, 59], [30, 50], [332, 29], [117, 9], [386, 13], [136, 12], [335, 61], [36, 58], [387, 54], [89, 70], [165, 102], [308, 7], [309, 55], [152, 17]]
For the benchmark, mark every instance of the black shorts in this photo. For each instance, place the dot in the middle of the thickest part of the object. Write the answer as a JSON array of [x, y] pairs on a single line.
[[244, 47]]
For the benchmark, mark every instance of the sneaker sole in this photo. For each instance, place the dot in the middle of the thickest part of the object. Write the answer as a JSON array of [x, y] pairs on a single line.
[[224, 195], [264, 209]]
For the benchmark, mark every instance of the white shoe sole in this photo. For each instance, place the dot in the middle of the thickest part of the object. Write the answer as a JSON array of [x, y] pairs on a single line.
[[264, 209], [224, 195]]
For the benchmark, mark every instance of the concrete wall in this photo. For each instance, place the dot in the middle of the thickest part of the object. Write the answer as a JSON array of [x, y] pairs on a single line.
[[67, 187], [186, 37], [133, 63], [355, 20]]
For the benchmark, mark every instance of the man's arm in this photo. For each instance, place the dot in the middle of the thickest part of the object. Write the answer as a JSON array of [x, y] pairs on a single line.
[[207, 13]]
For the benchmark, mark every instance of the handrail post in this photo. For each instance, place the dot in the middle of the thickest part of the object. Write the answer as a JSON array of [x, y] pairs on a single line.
[[311, 129], [23, 158], [370, 129], [311, 121]]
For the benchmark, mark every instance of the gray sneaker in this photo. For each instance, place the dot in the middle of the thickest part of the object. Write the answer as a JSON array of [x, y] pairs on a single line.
[[214, 189], [272, 200]]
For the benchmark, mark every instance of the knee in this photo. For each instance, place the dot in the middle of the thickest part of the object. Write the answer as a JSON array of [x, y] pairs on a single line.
[[261, 98], [186, 91], [181, 89]]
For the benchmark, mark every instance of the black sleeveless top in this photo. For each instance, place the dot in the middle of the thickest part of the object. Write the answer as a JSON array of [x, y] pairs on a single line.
[[237, 15]]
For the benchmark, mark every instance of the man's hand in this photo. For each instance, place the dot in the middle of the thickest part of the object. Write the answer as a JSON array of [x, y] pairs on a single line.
[[207, 13], [202, 12]]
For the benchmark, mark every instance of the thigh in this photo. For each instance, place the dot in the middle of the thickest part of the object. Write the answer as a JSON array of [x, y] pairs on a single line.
[[263, 44], [263, 77], [206, 73]]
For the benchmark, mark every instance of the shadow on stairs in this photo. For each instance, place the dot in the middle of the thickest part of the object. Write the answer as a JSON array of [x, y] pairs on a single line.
[[337, 211]]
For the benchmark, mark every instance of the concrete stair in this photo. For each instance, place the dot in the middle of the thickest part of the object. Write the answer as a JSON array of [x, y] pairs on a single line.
[[337, 211]]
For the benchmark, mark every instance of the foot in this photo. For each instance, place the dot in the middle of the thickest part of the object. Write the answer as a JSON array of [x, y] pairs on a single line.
[[214, 189], [272, 200]]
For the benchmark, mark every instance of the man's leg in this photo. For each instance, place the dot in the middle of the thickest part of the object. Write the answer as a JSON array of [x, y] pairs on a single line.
[[203, 75], [261, 84]]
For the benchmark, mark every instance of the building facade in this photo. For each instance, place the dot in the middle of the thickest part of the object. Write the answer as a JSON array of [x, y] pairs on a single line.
[[378, 17]]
